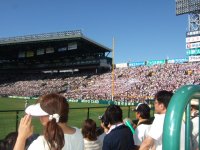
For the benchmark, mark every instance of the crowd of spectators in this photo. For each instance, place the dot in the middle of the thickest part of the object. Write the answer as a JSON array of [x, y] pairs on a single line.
[[129, 83]]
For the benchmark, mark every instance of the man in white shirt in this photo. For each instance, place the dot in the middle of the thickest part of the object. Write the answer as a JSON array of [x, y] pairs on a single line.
[[154, 137]]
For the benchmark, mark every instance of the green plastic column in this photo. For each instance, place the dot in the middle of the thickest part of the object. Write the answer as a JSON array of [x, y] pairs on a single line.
[[174, 114], [187, 127]]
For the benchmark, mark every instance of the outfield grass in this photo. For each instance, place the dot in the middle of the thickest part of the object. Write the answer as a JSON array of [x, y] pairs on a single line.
[[76, 116]]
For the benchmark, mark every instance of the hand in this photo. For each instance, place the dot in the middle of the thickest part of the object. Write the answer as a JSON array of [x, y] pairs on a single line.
[[25, 127]]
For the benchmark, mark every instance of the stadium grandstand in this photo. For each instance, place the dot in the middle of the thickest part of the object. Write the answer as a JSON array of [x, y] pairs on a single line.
[[60, 51], [81, 69], [78, 67]]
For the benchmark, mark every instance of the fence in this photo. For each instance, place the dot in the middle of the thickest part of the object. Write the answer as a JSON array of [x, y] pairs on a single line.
[[10, 118]]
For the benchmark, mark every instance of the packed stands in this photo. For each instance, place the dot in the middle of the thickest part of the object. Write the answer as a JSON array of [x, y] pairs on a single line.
[[131, 84]]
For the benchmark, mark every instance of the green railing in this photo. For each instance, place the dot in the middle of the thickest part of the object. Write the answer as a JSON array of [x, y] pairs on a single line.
[[9, 119], [179, 103]]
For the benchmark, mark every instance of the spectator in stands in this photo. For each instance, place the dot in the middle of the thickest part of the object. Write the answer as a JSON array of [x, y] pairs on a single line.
[[154, 138], [143, 115], [195, 123], [91, 142], [53, 112], [119, 136], [132, 84]]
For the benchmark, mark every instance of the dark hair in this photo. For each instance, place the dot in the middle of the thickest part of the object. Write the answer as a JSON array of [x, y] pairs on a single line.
[[113, 114], [144, 111], [104, 120], [195, 107], [99, 131], [9, 141], [55, 104], [89, 129], [164, 97]]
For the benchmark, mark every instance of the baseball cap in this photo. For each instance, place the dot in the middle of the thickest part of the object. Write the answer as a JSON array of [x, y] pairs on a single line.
[[35, 110], [142, 107]]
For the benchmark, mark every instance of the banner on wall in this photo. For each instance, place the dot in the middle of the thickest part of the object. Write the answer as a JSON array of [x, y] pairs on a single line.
[[136, 64], [72, 46], [155, 62], [40, 52], [121, 65], [178, 60]]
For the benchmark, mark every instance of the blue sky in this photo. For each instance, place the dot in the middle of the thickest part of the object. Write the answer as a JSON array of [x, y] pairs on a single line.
[[143, 29]]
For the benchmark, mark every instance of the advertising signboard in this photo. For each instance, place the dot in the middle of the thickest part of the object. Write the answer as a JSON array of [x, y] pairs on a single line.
[[135, 64], [192, 39], [121, 65], [155, 62], [178, 60], [193, 51], [72, 46], [192, 45], [194, 58]]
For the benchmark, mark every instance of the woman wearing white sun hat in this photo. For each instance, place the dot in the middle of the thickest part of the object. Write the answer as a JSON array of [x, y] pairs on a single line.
[[52, 110]]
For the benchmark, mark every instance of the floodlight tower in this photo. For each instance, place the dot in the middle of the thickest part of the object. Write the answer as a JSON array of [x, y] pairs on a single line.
[[192, 8]]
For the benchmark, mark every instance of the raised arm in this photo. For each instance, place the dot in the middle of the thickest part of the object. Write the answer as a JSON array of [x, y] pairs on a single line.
[[24, 131]]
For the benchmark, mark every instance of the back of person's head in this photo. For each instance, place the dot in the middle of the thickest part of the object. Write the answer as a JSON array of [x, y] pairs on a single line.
[[163, 97], [9, 141], [55, 104], [89, 129], [144, 110], [113, 114]]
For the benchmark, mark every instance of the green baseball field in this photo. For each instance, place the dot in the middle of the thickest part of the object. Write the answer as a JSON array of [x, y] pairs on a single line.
[[11, 110]]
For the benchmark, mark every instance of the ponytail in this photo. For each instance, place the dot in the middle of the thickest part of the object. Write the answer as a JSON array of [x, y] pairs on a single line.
[[54, 135]]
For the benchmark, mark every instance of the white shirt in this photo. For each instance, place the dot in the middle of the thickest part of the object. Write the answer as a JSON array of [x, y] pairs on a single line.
[[92, 145], [72, 142], [141, 133], [156, 132]]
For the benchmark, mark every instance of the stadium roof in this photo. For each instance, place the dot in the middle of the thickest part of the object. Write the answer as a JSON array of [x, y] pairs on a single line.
[[74, 34]]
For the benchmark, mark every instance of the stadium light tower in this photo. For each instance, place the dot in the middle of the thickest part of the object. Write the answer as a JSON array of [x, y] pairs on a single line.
[[191, 7], [187, 6]]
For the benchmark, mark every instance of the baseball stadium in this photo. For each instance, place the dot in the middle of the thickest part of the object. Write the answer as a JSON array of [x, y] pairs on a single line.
[[83, 71]]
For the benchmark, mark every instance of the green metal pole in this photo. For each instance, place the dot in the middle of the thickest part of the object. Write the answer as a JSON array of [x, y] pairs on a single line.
[[174, 114], [199, 124], [187, 127]]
